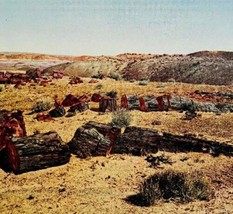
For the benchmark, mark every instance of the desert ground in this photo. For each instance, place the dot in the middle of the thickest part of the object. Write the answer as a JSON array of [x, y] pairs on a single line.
[[103, 184]]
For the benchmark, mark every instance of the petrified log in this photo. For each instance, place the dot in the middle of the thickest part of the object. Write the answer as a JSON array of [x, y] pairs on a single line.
[[96, 97], [180, 103], [130, 102], [38, 152], [221, 94], [94, 139], [148, 103], [188, 143], [139, 141], [80, 107], [44, 117], [107, 103], [99, 139], [58, 111], [100, 127], [206, 107], [70, 100], [89, 142]]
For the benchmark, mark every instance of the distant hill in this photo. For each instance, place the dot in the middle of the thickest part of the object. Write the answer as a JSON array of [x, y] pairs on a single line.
[[204, 67], [35, 56]]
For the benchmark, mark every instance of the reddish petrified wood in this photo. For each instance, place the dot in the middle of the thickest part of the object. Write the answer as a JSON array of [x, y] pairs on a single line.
[[40, 151], [94, 139], [12, 125], [96, 97], [44, 117], [70, 100], [142, 103], [93, 81], [163, 102], [107, 103], [130, 102], [75, 80]]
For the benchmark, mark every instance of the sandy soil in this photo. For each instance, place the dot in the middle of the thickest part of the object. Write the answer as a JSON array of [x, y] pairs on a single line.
[[102, 184]]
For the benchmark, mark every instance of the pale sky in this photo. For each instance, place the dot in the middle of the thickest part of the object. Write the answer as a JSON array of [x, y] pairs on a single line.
[[109, 27]]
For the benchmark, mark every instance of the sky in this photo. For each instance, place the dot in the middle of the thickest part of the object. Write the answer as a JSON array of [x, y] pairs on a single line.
[[110, 27]]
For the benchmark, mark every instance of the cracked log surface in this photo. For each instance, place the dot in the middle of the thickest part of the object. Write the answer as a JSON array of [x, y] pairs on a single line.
[[141, 141], [41, 151]]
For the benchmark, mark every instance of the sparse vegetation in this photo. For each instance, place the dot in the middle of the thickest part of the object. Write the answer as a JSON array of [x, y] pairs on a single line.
[[41, 106], [121, 118], [98, 76], [157, 160], [112, 94], [174, 185], [99, 86], [143, 82], [115, 76]]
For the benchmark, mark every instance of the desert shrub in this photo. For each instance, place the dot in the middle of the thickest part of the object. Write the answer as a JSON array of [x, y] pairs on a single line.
[[41, 106], [143, 82], [121, 118], [99, 86], [114, 76], [172, 184], [99, 75], [157, 160], [1, 89], [189, 106], [112, 94], [161, 85]]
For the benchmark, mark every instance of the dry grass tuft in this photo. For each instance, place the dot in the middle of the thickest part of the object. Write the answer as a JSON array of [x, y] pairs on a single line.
[[173, 185]]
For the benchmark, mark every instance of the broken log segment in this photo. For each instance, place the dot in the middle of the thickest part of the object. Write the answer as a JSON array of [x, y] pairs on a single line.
[[107, 103], [148, 103], [130, 102], [80, 107], [40, 151], [94, 139], [136, 140], [88, 142]]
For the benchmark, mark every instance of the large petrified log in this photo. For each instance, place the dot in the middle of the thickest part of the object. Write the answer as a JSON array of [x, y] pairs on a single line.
[[221, 94], [89, 142], [182, 103], [37, 152], [139, 141], [94, 139]]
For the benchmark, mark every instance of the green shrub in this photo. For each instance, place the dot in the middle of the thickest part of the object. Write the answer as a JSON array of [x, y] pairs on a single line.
[[171, 184], [121, 118], [112, 94], [114, 76], [1, 89], [99, 86], [98, 76], [143, 82], [41, 106]]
